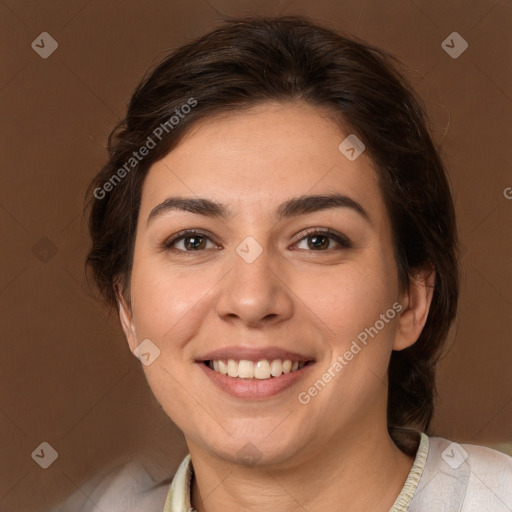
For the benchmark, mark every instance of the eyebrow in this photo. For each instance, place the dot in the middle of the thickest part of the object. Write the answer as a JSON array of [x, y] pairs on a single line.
[[291, 208]]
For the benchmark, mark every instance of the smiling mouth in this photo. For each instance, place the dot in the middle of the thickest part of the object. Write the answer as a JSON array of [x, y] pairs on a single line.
[[261, 369]]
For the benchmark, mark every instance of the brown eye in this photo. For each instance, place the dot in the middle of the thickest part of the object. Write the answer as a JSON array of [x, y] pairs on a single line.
[[194, 242], [320, 241], [191, 241]]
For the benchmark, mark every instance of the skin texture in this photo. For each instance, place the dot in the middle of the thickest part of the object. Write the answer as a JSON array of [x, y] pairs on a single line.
[[334, 452]]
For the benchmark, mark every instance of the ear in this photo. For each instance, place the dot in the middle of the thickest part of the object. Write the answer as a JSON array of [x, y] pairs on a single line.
[[416, 302], [126, 317]]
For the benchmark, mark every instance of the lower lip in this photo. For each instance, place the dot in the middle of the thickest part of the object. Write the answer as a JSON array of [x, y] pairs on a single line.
[[255, 388]]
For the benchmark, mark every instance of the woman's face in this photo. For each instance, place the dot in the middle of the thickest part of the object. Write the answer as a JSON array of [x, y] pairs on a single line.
[[261, 282]]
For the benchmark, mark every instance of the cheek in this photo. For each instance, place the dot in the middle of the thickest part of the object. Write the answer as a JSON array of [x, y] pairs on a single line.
[[349, 303], [164, 301], [349, 297], [169, 309]]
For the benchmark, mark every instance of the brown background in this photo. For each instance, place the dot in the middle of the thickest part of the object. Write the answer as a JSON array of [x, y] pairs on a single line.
[[67, 375]]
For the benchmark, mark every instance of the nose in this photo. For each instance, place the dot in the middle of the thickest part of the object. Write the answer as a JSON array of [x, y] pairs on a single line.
[[256, 294]]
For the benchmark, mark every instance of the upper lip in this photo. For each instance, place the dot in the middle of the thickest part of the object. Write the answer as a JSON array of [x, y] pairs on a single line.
[[252, 354]]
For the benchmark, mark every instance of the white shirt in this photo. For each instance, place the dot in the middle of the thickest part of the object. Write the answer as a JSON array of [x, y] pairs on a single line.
[[445, 477]]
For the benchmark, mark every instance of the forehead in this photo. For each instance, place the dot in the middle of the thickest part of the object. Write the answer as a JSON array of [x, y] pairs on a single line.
[[263, 155]]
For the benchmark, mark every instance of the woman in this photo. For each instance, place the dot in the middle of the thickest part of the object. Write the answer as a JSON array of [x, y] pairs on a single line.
[[276, 228]]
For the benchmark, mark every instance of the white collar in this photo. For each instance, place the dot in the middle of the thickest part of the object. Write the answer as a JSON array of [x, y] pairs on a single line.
[[178, 498]]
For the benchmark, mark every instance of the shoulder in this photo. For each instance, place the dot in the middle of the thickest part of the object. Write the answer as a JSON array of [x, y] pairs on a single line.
[[127, 488], [464, 477]]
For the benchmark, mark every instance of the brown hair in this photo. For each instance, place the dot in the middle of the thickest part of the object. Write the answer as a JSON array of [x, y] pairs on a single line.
[[252, 60]]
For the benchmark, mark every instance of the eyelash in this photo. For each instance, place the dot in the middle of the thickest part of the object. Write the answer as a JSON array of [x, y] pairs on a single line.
[[342, 240]]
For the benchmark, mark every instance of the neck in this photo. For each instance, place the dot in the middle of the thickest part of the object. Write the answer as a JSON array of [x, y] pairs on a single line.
[[356, 472]]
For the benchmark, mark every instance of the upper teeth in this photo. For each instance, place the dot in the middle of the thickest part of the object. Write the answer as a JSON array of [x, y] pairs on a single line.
[[260, 370]]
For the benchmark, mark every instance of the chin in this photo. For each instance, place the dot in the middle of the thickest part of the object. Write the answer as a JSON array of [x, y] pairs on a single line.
[[255, 450]]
